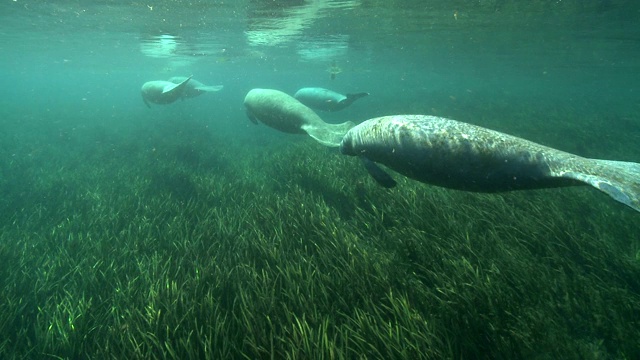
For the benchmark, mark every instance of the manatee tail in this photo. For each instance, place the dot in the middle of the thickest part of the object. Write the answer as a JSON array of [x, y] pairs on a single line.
[[212, 88], [328, 134], [353, 97], [618, 179]]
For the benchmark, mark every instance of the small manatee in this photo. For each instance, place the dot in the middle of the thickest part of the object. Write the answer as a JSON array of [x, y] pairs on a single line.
[[163, 92], [326, 100]]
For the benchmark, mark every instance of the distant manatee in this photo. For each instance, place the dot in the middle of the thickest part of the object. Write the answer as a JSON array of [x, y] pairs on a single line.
[[282, 112], [194, 87], [462, 156], [162, 92], [326, 100]]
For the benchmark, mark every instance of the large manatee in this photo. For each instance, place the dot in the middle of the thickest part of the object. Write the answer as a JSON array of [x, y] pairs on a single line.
[[283, 112], [163, 92], [461, 156], [194, 87]]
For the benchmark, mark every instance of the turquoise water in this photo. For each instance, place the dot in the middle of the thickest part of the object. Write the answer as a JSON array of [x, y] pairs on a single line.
[[431, 57], [74, 130], [563, 73]]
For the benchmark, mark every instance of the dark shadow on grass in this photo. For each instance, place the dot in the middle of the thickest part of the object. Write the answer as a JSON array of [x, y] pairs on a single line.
[[194, 158], [178, 185], [341, 203]]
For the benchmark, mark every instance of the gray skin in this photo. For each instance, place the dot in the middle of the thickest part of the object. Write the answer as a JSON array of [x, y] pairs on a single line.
[[326, 100], [462, 156], [162, 92], [194, 87], [284, 113]]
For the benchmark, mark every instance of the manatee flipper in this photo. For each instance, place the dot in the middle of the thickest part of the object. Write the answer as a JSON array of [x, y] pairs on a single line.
[[209, 88], [146, 102], [380, 176], [328, 134], [353, 97], [252, 117], [618, 179], [176, 90], [175, 87]]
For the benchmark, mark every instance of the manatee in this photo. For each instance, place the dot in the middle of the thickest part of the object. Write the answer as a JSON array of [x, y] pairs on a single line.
[[326, 100], [461, 156], [163, 92], [194, 87], [283, 112]]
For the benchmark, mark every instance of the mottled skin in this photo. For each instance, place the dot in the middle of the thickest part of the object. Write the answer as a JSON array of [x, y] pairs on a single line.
[[462, 156]]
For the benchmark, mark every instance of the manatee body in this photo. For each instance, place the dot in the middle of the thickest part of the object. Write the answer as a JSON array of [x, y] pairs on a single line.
[[326, 100], [462, 156], [284, 113], [163, 92], [194, 87]]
